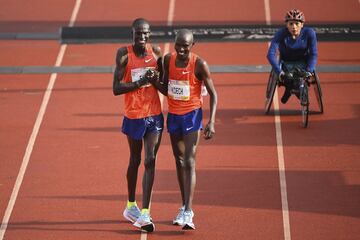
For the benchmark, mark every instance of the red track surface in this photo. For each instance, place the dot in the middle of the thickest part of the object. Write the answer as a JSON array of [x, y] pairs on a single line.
[[75, 188]]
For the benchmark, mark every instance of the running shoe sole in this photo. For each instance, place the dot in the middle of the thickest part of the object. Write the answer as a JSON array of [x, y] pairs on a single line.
[[177, 223], [148, 228], [188, 227]]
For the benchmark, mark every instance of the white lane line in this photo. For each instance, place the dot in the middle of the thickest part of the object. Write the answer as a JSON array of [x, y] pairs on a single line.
[[74, 13], [280, 149], [281, 163], [170, 19], [171, 12], [35, 131], [267, 11]]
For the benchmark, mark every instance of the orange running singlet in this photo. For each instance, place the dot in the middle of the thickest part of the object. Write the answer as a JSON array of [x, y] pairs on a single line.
[[144, 101], [184, 89]]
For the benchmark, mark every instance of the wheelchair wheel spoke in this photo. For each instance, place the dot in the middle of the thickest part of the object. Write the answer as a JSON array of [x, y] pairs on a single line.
[[270, 90], [318, 94], [304, 101]]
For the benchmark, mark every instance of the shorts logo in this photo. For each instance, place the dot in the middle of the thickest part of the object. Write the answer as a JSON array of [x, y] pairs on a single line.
[[187, 129], [148, 60]]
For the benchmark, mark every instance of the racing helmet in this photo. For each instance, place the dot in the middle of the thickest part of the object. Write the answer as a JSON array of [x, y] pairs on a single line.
[[295, 15]]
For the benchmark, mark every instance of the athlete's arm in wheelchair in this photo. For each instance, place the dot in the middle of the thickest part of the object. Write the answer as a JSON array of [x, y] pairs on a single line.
[[296, 74], [292, 81]]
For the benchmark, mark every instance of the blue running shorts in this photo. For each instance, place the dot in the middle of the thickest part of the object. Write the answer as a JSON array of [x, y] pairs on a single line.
[[137, 128], [183, 124]]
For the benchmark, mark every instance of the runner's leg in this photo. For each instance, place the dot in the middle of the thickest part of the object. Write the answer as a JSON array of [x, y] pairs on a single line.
[[134, 162], [178, 148], [151, 146], [191, 141]]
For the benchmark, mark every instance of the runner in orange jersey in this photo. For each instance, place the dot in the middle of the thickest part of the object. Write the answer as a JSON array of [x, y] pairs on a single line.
[[184, 75], [143, 121]]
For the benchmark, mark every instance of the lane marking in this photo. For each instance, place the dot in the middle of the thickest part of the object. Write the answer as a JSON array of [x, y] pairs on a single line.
[[281, 163], [35, 131], [213, 68], [170, 19], [75, 13], [267, 11], [280, 149]]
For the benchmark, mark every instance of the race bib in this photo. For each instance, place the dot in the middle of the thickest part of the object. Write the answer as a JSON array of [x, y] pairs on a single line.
[[179, 90], [137, 73]]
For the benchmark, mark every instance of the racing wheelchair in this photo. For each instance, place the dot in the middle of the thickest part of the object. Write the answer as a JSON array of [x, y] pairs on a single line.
[[300, 81]]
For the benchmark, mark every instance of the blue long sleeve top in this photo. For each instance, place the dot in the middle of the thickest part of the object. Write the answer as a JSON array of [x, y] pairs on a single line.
[[303, 48]]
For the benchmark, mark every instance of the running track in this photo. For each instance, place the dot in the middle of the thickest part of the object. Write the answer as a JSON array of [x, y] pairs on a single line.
[[74, 185]]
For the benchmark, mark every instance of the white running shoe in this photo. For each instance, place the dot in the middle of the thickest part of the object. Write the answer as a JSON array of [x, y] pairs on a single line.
[[179, 219], [188, 222], [144, 222], [132, 214]]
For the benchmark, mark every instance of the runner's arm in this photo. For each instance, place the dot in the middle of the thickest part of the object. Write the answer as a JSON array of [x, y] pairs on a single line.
[[272, 52], [162, 84], [156, 81], [313, 52], [120, 87], [202, 72]]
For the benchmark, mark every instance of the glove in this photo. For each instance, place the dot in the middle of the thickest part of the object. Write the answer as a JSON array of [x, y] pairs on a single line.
[[282, 76], [308, 74]]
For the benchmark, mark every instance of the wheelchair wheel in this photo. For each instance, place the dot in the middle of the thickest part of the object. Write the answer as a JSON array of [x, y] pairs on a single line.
[[318, 93], [305, 115], [270, 90], [304, 101]]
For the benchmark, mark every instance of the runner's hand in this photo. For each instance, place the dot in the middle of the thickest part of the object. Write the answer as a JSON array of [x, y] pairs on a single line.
[[143, 81], [209, 130], [152, 75]]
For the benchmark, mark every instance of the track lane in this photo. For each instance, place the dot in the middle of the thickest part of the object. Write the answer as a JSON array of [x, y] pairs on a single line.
[[321, 170], [29, 16], [322, 167], [20, 99], [320, 11], [80, 226], [30, 142]]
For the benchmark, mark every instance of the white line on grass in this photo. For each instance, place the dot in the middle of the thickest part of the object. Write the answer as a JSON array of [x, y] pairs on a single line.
[[35, 131]]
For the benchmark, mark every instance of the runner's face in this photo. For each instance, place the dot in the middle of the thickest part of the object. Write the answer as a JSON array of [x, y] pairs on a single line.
[[294, 28], [183, 47], [141, 35]]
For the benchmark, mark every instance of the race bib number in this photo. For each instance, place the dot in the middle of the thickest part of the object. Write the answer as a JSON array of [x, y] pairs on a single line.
[[137, 73], [179, 90]]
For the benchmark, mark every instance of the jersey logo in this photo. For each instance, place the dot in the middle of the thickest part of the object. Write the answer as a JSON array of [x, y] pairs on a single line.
[[148, 60], [184, 72]]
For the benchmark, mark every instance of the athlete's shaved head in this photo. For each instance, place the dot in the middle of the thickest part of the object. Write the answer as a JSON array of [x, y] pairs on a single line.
[[184, 41], [140, 32], [185, 34], [140, 22]]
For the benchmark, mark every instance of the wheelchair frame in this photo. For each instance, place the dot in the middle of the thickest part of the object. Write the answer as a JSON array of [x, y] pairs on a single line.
[[274, 82]]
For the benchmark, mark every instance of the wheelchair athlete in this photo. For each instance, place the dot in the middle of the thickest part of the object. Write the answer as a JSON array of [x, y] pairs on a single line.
[[297, 48]]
